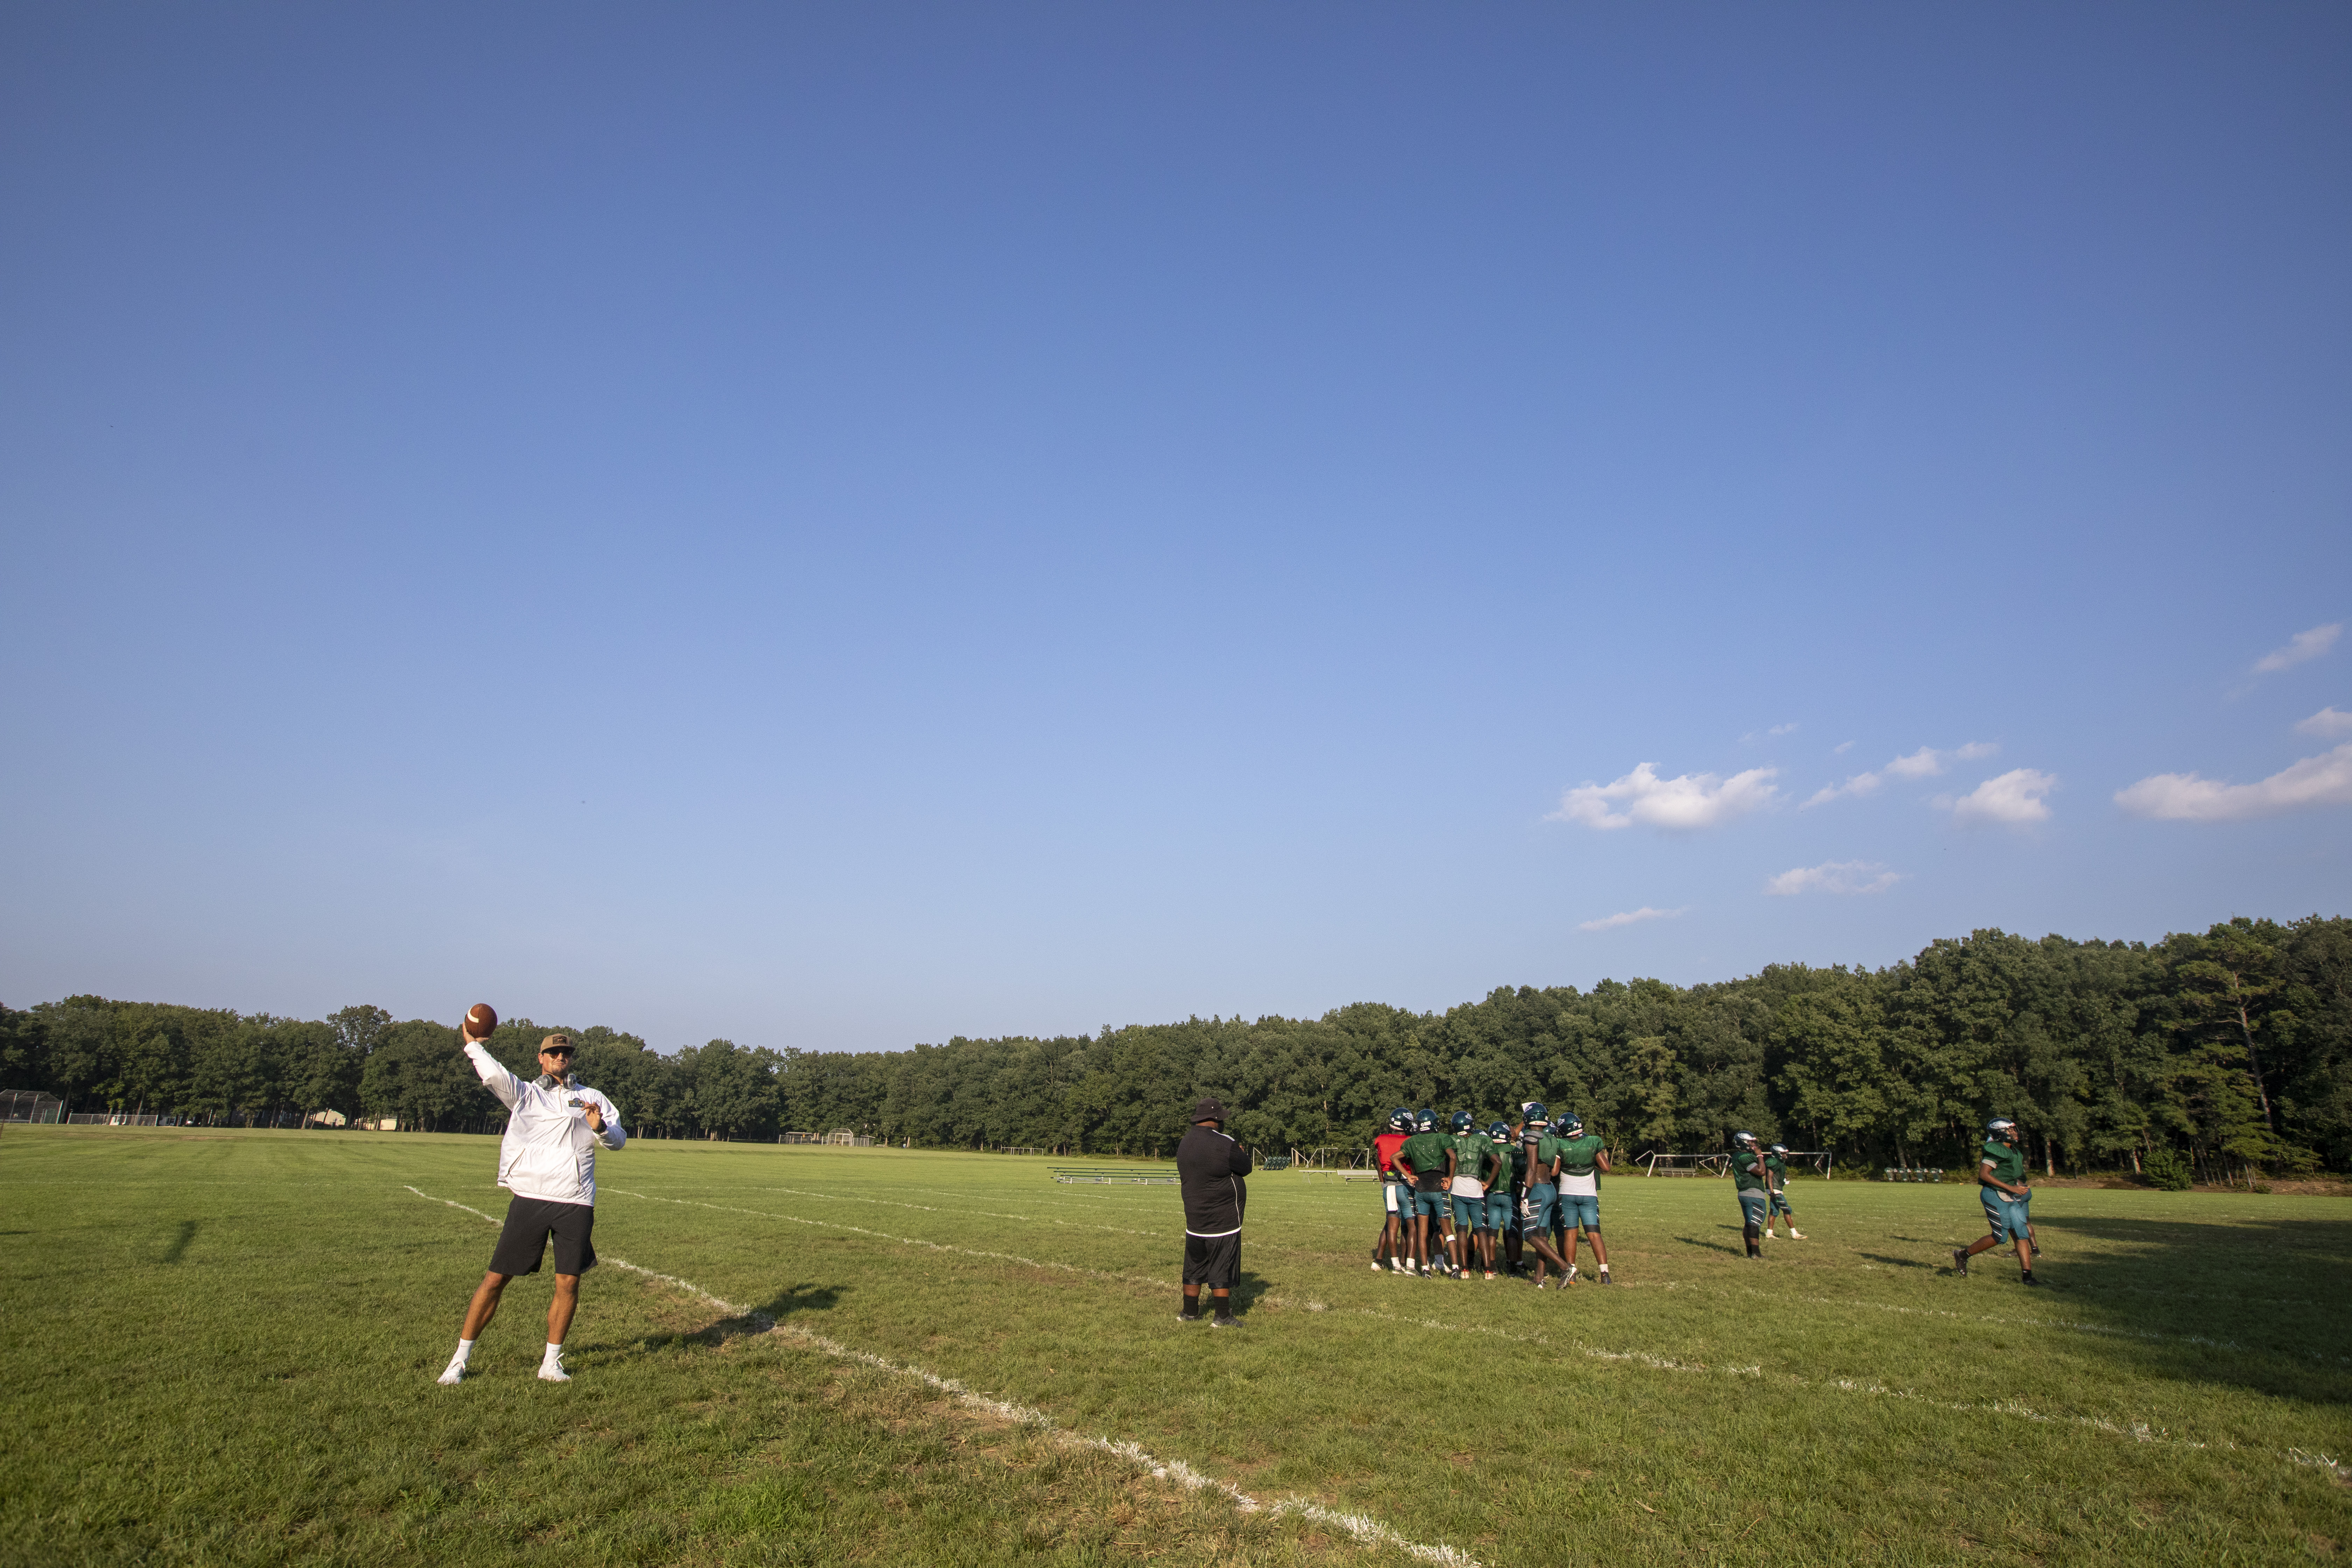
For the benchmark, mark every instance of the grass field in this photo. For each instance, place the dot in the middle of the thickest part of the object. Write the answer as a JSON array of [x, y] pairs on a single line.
[[221, 1348]]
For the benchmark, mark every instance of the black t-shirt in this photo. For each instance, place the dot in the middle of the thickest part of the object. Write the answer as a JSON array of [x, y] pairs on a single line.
[[1210, 1166]]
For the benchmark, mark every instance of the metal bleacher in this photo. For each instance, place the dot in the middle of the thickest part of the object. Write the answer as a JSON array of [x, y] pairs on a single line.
[[1127, 1176]]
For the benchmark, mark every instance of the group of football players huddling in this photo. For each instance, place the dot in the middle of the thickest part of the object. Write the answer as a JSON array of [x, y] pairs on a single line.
[[1533, 1185]]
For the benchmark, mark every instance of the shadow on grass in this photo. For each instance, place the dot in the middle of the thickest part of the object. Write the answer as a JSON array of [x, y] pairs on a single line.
[[179, 1242], [1884, 1260], [792, 1301], [1713, 1246], [2259, 1304]]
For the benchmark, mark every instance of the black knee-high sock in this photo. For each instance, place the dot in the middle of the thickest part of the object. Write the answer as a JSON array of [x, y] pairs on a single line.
[[1755, 1240]]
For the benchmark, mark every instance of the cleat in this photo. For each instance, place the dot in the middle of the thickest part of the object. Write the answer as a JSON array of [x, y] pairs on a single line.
[[1490, 1274], [2030, 1280], [1796, 1235], [1377, 1266], [452, 1374], [1224, 1320], [1188, 1317], [1603, 1278], [1569, 1278], [551, 1371], [1960, 1260]]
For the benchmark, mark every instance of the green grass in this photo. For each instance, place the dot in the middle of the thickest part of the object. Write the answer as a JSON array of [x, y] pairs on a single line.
[[220, 1348]]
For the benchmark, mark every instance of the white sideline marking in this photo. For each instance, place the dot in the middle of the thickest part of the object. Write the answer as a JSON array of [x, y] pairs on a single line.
[[902, 1240], [998, 1213], [983, 1214], [2139, 1431], [453, 1203], [2069, 1324], [1368, 1531], [2321, 1462]]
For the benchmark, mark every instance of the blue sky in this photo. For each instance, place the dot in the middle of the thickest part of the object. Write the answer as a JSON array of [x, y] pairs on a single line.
[[843, 526]]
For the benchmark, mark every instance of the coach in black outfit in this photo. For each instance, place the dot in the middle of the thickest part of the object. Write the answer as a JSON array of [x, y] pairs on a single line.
[[1210, 1166]]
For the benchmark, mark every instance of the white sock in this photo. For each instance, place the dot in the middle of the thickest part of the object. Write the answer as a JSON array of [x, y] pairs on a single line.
[[554, 1353], [465, 1350]]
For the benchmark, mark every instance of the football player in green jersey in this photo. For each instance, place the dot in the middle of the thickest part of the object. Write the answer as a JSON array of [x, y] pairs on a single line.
[[1776, 1167], [1583, 1161], [1500, 1198], [1469, 1189], [1540, 1198], [1752, 1186], [1427, 1161], [2002, 1184]]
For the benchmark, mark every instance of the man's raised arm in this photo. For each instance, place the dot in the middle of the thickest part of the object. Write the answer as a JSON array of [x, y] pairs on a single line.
[[494, 1075]]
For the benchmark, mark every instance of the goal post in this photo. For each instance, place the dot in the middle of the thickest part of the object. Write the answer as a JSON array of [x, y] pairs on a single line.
[[1663, 1165]]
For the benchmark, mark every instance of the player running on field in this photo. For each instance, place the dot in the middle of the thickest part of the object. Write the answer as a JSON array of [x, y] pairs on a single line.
[[1395, 1246], [1468, 1186], [1583, 1161], [1749, 1181], [1540, 1197], [1427, 1159], [1776, 1169], [2002, 1184]]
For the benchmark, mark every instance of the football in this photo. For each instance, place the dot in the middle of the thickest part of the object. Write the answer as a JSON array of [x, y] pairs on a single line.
[[480, 1019]]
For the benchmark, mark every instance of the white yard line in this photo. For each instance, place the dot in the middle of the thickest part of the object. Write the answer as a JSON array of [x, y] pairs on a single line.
[[2139, 1431], [960, 1212], [998, 1213], [1359, 1526], [903, 1240], [2068, 1325]]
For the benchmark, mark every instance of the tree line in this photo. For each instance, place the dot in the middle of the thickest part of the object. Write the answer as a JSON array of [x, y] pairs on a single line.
[[2217, 1054]]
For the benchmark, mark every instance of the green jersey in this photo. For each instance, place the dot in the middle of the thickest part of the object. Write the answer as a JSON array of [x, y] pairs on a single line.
[[1519, 1166], [1425, 1152], [1472, 1153], [1744, 1170], [1576, 1155], [1778, 1169], [2008, 1162]]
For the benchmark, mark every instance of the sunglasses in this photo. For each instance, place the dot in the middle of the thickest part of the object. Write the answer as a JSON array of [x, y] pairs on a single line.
[[557, 1051]]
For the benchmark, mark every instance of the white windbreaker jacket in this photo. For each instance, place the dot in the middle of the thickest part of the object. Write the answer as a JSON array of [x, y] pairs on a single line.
[[549, 1151]]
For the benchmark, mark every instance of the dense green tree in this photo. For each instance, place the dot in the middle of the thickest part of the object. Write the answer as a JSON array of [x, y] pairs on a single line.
[[2221, 1051]]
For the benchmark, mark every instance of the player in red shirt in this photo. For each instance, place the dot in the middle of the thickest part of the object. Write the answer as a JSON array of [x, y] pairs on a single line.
[[1395, 1246]]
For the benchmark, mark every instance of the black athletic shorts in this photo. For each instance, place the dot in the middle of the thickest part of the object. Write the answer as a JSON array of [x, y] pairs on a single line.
[[530, 1222], [1212, 1260]]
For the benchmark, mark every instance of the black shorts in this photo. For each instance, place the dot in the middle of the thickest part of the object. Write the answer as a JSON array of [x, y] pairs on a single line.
[[530, 1222], [1212, 1260]]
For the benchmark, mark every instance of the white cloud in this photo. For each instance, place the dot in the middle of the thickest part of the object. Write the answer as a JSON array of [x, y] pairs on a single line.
[[1923, 764], [2323, 780], [2300, 647], [2327, 723], [1860, 785], [1841, 748], [1928, 763], [1782, 729], [2014, 798], [1834, 876], [1632, 917], [1686, 802]]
